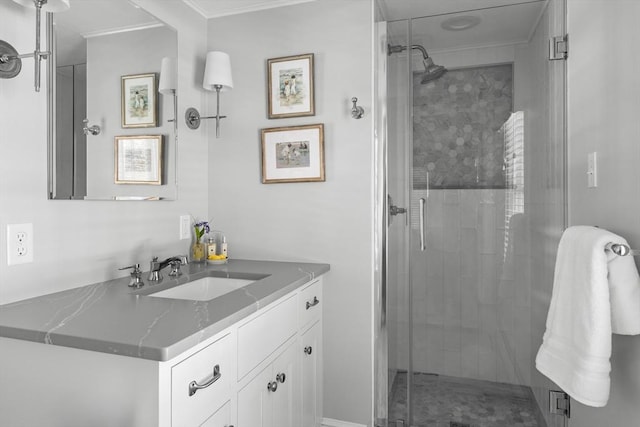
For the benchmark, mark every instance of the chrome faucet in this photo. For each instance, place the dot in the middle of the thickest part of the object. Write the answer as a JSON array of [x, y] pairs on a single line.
[[175, 262]]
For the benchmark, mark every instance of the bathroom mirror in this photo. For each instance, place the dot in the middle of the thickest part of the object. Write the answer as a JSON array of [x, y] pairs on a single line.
[[95, 44]]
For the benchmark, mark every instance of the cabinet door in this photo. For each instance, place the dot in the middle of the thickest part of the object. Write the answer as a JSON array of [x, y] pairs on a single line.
[[311, 376], [254, 404], [269, 399], [284, 400]]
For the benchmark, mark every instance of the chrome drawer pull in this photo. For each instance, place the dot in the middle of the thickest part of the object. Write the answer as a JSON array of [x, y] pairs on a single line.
[[281, 377], [194, 386], [272, 386], [313, 303], [308, 350]]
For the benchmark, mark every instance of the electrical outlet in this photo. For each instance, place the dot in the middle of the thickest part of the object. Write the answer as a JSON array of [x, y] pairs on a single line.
[[185, 227], [19, 243]]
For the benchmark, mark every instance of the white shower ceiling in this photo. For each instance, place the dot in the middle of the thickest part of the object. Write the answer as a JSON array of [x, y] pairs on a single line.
[[217, 8], [502, 22]]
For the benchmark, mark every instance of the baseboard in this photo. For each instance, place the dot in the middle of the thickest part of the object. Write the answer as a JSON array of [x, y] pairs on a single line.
[[328, 422]]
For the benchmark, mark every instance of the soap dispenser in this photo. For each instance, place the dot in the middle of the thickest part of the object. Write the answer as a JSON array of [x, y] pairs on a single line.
[[211, 248], [223, 247], [136, 276]]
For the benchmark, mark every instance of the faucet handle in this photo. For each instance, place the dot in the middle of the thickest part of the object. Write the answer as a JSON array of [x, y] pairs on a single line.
[[136, 276], [175, 268]]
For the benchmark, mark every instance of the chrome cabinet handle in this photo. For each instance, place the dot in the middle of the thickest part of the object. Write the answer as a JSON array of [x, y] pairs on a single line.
[[313, 303], [281, 377], [272, 386], [422, 237], [194, 386], [308, 350]]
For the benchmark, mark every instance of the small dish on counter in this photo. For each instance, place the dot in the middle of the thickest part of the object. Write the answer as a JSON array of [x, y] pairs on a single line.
[[217, 261]]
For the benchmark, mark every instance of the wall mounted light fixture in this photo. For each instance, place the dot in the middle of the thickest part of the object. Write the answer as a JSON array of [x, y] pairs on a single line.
[[10, 60], [217, 76], [169, 84]]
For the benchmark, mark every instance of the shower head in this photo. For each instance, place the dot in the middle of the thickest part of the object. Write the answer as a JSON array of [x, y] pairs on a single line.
[[431, 70]]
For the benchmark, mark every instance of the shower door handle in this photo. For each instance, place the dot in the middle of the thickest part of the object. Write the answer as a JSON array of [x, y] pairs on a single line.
[[422, 229]]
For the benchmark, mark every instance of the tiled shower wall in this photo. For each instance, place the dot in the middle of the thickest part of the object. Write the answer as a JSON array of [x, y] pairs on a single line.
[[471, 300]]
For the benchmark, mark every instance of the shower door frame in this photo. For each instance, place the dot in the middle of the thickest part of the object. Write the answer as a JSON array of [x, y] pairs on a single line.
[[382, 220]]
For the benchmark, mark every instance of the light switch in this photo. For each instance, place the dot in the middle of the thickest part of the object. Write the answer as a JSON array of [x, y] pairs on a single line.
[[185, 227], [592, 170]]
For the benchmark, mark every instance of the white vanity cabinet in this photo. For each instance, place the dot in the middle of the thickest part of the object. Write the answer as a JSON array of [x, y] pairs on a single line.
[[264, 370]]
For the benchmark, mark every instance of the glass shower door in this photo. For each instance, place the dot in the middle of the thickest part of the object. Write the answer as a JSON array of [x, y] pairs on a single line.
[[475, 210]]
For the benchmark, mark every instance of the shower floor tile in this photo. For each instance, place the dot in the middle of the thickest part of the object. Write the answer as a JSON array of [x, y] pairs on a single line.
[[442, 401]]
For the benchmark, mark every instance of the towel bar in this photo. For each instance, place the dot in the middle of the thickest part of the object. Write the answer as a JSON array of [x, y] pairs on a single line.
[[622, 250]]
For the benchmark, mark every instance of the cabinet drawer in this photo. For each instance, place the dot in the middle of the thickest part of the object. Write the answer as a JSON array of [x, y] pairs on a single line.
[[261, 336], [222, 417], [198, 388], [310, 303]]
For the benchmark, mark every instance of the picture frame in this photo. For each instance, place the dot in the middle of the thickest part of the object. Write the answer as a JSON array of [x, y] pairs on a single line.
[[293, 154], [139, 101], [138, 159], [291, 86]]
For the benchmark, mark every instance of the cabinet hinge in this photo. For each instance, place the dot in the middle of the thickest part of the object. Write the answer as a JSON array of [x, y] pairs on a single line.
[[559, 47], [559, 403]]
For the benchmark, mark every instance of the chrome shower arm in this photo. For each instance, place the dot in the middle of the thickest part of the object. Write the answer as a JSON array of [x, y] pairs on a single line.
[[399, 48]]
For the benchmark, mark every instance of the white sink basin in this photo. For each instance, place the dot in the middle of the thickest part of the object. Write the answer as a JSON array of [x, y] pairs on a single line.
[[204, 289]]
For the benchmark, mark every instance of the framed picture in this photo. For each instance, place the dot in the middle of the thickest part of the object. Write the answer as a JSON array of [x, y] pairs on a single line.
[[291, 86], [293, 154], [139, 101], [138, 159]]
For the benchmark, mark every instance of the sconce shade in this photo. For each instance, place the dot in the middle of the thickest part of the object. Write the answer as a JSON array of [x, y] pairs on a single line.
[[217, 71], [52, 6], [168, 76]]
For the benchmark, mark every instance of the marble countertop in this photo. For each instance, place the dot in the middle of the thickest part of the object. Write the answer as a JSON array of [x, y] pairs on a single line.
[[111, 317]]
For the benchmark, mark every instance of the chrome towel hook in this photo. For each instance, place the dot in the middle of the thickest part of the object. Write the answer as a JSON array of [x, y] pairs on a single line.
[[356, 111], [93, 130]]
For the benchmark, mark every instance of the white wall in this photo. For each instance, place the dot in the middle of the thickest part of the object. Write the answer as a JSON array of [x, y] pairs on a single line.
[[604, 103], [325, 222], [79, 242]]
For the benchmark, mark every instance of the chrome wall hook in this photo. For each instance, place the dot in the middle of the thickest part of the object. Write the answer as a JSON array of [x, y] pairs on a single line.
[[93, 130], [356, 111]]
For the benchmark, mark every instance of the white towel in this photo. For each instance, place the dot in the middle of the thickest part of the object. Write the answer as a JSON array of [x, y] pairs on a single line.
[[595, 293]]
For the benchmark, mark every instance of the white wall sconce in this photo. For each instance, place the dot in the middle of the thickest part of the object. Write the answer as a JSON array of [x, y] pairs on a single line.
[[217, 76], [168, 85], [10, 60]]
